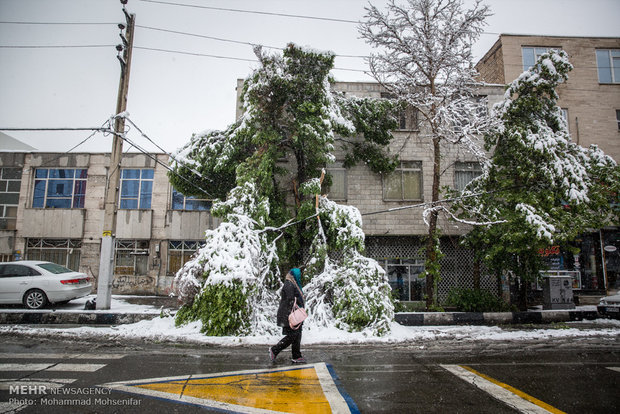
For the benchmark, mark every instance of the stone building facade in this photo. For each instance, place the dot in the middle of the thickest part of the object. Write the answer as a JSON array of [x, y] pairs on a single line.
[[590, 101]]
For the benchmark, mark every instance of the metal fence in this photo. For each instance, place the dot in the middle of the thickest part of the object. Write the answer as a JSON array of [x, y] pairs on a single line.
[[457, 265]]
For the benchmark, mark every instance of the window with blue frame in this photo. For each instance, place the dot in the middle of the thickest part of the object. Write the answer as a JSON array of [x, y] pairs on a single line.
[[608, 65], [181, 202], [136, 188], [531, 54], [59, 187]]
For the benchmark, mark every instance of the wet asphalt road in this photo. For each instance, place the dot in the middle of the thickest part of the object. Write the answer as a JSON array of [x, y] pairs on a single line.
[[576, 375]]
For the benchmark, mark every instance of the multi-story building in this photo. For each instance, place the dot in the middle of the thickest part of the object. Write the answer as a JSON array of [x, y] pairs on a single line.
[[590, 102], [53, 209], [52, 203]]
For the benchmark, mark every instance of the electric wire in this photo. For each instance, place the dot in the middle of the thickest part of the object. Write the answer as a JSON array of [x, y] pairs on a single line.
[[297, 16], [165, 166], [221, 39], [60, 23], [193, 170], [96, 129], [53, 46], [224, 57], [195, 54]]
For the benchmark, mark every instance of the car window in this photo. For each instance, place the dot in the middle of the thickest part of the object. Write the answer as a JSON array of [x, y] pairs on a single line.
[[15, 270], [54, 268]]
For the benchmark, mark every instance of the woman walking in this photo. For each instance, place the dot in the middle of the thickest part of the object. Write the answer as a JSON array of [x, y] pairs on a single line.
[[291, 294]]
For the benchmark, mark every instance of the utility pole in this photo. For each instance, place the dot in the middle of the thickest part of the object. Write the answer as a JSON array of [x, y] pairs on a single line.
[[106, 260]]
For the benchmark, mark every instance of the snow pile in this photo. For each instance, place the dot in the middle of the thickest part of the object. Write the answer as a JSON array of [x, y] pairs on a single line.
[[164, 330]]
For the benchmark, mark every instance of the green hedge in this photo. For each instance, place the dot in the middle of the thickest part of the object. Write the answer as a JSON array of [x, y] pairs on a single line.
[[473, 300]]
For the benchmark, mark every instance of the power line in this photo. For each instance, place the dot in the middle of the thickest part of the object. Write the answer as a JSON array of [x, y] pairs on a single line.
[[434, 203], [220, 39], [297, 16], [222, 57], [52, 46], [96, 129], [194, 54], [71, 149], [61, 23], [165, 166]]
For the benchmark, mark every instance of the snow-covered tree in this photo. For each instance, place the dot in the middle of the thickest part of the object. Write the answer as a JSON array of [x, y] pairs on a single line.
[[226, 284], [346, 289], [424, 58], [289, 113], [539, 187]]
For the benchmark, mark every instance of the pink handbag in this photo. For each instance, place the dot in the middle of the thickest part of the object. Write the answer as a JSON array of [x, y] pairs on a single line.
[[297, 316]]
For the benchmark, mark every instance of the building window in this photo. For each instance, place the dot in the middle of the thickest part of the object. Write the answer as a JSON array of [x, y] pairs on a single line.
[[65, 252], [618, 118], [531, 54], [405, 183], [136, 188], [131, 257], [404, 278], [464, 172], [408, 119], [179, 252], [181, 202], [59, 188], [608, 64], [338, 188], [10, 182]]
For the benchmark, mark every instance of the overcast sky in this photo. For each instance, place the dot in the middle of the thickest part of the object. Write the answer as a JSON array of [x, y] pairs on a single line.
[[171, 94]]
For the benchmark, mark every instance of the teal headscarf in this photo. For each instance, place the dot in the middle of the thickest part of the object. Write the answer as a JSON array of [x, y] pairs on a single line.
[[297, 275]]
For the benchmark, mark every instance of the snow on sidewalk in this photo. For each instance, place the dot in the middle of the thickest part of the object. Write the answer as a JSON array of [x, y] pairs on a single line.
[[164, 329]]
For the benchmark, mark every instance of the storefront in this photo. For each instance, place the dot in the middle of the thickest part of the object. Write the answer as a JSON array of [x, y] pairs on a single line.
[[593, 261]]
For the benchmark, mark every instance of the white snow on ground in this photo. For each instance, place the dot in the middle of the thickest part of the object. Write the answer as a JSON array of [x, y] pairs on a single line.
[[118, 305], [163, 329]]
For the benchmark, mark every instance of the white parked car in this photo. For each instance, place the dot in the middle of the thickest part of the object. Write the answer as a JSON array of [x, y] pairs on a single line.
[[610, 306], [36, 283]]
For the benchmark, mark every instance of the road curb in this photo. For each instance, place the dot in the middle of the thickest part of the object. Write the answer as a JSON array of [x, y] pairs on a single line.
[[403, 318], [492, 318], [74, 318]]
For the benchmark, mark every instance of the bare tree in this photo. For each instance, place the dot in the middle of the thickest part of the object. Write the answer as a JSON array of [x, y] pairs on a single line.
[[423, 57]]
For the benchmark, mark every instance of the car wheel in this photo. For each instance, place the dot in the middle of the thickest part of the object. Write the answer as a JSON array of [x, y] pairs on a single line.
[[35, 299]]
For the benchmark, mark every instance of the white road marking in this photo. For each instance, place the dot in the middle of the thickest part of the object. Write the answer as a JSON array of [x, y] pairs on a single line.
[[59, 356], [25, 367], [617, 369], [496, 391], [51, 367], [76, 367], [7, 383], [6, 407]]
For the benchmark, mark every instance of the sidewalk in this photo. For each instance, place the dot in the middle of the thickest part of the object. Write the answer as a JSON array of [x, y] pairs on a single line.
[[132, 309], [125, 309]]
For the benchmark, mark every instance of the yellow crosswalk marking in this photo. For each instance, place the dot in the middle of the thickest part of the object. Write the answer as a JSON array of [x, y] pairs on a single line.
[[305, 389]]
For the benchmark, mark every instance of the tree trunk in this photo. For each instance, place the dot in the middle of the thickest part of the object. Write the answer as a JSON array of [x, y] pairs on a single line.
[[522, 301], [431, 253]]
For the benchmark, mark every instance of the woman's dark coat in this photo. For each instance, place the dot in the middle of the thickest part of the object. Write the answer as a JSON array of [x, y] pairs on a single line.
[[289, 293]]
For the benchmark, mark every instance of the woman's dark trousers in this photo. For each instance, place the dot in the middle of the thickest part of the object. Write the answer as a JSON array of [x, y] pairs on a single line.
[[293, 337]]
